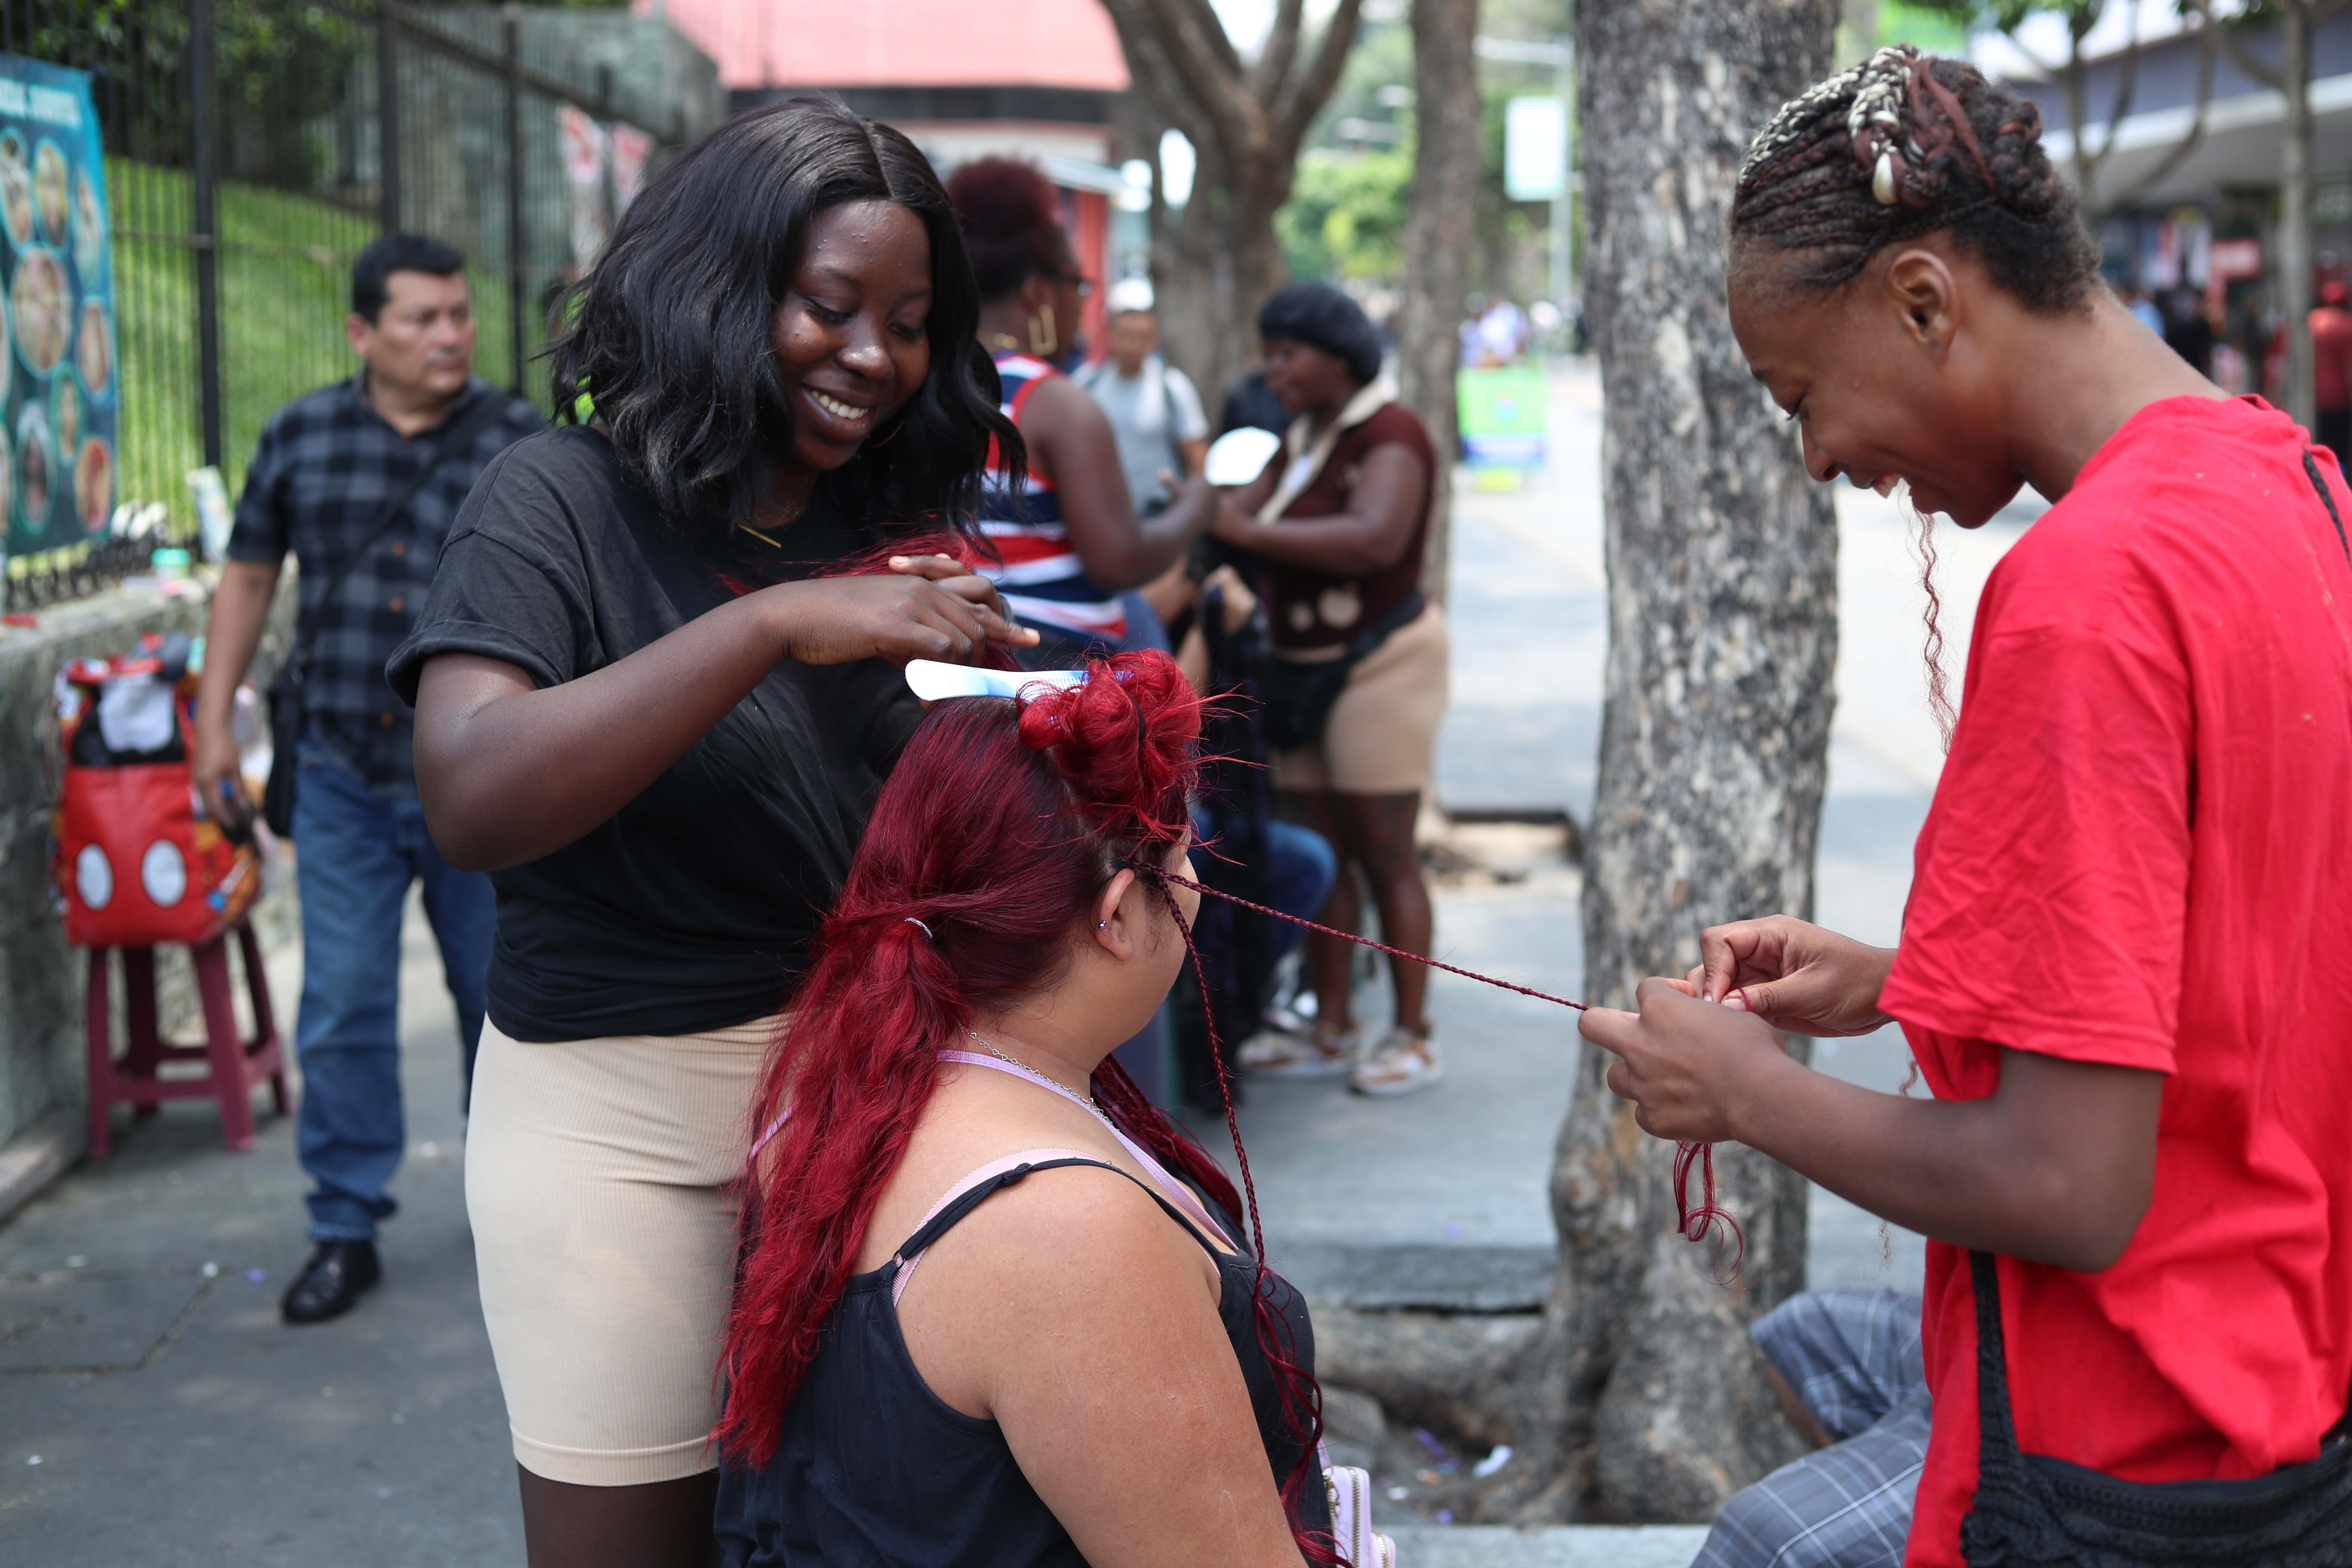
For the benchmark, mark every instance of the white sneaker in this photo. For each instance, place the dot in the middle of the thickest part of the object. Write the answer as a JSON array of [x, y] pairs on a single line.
[[1402, 1063], [1313, 1054]]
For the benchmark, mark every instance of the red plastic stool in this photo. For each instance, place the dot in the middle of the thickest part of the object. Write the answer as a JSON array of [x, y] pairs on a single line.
[[237, 1065]]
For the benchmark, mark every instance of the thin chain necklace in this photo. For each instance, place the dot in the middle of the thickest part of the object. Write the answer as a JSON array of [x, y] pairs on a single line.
[[1085, 1100]]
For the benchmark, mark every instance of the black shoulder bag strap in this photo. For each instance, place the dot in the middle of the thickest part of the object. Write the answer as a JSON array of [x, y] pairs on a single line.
[[2327, 500], [286, 690]]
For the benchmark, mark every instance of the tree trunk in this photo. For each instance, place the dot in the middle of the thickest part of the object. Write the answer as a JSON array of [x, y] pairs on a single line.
[[1723, 630], [1217, 262], [1447, 161], [2294, 208]]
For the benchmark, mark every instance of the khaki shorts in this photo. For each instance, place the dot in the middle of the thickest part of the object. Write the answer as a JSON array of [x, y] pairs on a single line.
[[601, 1178], [1382, 736]]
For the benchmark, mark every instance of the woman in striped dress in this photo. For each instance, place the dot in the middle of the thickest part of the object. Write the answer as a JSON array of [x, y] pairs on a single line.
[[1068, 538]]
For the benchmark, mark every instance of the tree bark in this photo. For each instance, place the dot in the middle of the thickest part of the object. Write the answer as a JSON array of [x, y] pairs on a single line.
[[1446, 162], [2294, 208], [1218, 260], [1723, 631], [2299, 21]]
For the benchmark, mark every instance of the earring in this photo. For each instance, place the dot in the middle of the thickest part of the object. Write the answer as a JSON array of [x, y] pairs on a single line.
[[1102, 925], [1043, 339]]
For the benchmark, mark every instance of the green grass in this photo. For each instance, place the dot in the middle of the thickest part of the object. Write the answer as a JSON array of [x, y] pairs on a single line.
[[285, 265]]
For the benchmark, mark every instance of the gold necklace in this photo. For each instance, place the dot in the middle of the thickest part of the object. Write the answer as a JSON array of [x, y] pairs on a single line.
[[1086, 1100]]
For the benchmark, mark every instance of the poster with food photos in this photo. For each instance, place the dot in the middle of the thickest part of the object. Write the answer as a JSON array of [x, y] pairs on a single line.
[[59, 372]]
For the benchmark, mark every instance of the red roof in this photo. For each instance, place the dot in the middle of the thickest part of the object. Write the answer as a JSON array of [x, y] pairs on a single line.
[[904, 43]]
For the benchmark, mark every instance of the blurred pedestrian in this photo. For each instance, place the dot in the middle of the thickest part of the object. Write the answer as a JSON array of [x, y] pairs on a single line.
[[361, 481], [1357, 680], [1250, 404], [2144, 309], [2122, 965], [2331, 369], [2188, 331], [657, 688], [1153, 407], [1503, 333], [1474, 349], [1069, 536], [1241, 847]]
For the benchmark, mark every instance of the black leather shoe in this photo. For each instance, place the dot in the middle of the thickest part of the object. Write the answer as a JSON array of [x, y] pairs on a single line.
[[330, 1283]]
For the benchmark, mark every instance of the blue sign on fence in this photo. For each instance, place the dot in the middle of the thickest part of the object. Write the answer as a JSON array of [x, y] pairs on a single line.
[[59, 377]]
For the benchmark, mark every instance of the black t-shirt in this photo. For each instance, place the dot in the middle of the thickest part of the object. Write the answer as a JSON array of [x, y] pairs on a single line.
[[694, 906]]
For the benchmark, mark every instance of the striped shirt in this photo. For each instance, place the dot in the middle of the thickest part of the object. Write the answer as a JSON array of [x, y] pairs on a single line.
[[1044, 582]]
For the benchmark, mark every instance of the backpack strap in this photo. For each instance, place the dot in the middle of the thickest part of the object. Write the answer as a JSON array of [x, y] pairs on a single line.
[[2327, 500]]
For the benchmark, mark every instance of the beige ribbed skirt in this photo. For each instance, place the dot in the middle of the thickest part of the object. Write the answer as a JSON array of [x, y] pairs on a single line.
[[601, 1178], [1382, 736]]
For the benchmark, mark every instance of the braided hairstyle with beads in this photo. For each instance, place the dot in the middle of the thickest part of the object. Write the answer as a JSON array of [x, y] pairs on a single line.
[[1907, 144]]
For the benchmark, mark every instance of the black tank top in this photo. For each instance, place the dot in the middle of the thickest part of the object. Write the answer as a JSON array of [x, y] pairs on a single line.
[[874, 1470]]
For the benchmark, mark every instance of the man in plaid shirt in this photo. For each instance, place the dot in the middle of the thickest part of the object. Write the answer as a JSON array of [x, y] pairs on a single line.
[[327, 466]]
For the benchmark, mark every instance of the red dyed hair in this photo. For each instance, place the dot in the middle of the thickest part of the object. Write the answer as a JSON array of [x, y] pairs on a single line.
[[999, 828], [1012, 222]]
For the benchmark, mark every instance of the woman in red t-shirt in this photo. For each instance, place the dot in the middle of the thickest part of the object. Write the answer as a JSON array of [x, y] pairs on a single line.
[[2126, 962]]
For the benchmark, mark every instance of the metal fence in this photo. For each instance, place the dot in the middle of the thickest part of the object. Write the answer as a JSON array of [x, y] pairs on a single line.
[[252, 147]]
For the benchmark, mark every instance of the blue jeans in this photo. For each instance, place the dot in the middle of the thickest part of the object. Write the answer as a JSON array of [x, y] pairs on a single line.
[[355, 854], [1299, 871]]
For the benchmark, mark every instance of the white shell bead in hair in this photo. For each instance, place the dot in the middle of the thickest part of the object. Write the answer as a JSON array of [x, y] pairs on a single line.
[[1879, 86]]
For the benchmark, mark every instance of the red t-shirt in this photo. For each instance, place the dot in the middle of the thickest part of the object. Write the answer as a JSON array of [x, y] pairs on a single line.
[[2141, 854]]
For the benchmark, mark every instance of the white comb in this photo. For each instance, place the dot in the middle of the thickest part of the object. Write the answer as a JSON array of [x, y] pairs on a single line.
[[935, 682], [1240, 455]]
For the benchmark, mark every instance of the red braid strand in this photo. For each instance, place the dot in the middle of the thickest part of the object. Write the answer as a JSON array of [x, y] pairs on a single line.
[[1693, 1221]]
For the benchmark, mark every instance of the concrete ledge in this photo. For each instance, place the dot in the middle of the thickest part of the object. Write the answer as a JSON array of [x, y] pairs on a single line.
[[1555, 1546], [39, 1156], [1413, 1278]]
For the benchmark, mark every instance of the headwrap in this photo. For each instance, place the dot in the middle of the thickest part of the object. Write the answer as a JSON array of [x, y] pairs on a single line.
[[1322, 317]]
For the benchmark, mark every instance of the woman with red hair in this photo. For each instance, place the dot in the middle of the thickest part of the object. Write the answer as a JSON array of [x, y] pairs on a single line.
[[1091, 1366]]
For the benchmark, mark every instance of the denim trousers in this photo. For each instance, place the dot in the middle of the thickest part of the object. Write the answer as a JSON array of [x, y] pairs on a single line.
[[1299, 871], [356, 852]]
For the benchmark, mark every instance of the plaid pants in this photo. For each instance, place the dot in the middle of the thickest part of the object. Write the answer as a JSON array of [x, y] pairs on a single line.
[[1852, 1356]]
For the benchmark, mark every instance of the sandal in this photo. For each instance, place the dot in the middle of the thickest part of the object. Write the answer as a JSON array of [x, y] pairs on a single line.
[[1315, 1054], [1403, 1063]]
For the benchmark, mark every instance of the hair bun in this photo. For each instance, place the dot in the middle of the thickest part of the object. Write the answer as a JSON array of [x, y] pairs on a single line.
[[1123, 741]]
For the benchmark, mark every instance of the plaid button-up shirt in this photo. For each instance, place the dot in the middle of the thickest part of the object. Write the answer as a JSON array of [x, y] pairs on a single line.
[[327, 464]]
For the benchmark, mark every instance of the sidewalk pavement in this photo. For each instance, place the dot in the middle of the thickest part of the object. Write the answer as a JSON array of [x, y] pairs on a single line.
[[153, 1409]]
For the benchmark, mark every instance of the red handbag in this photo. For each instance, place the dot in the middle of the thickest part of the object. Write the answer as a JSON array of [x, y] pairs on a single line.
[[134, 861]]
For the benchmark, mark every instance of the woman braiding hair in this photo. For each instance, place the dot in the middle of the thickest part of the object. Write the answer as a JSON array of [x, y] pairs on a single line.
[[1092, 1364], [2123, 968]]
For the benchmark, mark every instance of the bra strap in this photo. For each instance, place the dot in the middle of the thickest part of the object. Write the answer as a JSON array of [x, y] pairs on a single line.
[[1185, 1198], [971, 1197]]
